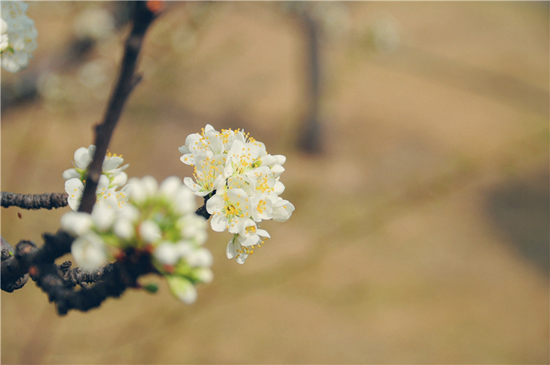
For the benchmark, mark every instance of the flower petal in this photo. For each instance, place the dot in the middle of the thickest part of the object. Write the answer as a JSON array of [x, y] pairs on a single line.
[[82, 158], [182, 289], [89, 252], [71, 174], [231, 250], [218, 222]]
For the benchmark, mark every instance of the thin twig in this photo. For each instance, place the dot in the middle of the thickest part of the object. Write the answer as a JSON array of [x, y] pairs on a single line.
[[127, 80], [34, 201], [110, 282], [202, 210]]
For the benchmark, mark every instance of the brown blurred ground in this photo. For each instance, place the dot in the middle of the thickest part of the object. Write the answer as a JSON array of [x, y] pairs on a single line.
[[419, 236]]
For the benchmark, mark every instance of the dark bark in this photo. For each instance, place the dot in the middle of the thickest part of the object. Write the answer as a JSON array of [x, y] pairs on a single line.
[[34, 201], [17, 264], [202, 210], [109, 282], [127, 80]]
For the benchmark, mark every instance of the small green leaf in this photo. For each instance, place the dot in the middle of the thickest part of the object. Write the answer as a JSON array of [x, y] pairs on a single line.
[[151, 288]]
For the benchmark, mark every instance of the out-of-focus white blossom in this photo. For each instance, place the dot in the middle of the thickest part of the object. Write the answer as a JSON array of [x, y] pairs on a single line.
[[18, 36], [157, 219], [76, 223], [96, 23], [241, 182], [4, 41], [89, 251], [386, 32]]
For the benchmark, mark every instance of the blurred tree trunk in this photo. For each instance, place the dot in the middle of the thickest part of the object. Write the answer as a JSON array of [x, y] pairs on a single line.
[[310, 133]]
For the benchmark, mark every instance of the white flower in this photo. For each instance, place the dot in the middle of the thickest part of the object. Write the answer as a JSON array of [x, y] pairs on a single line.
[[89, 252], [252, 235], [191, 225], [111, 179], [170, 186], [103, 217], [110, 168], [76, 223], [242, 245], [243, 156], [18, 39], [149, 231], [208, 143], [167, 253], [205, 275], [208, 174], [200, 258], [105, 196], [184, 248], [158, 220], [282, 210], [229, 209], [183, 289], [142, 189], [71, 174], [244, 180], [4, 43], [119, 179], [83, 156], [150, 185], [74, 188], [184, 200], [164, 217], [262, 206], [124, 229], [130, 213], [235, 251]]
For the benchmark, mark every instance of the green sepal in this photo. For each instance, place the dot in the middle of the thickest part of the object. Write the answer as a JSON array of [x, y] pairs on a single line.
[[151, 288]]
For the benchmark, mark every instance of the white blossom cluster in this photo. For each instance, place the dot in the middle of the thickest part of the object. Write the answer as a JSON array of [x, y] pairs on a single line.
[[18, 35], [242, 180], [112, 178], [159, 219], [241, 185]]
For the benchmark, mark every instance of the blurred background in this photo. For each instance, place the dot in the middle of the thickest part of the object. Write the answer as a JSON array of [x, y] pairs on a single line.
[[416, 136]]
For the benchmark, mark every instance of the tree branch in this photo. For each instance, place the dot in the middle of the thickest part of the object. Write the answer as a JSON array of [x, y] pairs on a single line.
[[13, 277], [34, 201], [127, 80], [58, 281], [76, 276], [202, 210], [15, 266], [110, 281]]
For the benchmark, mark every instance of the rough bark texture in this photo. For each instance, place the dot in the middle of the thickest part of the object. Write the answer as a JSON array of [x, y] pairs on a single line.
[[34, 201]]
